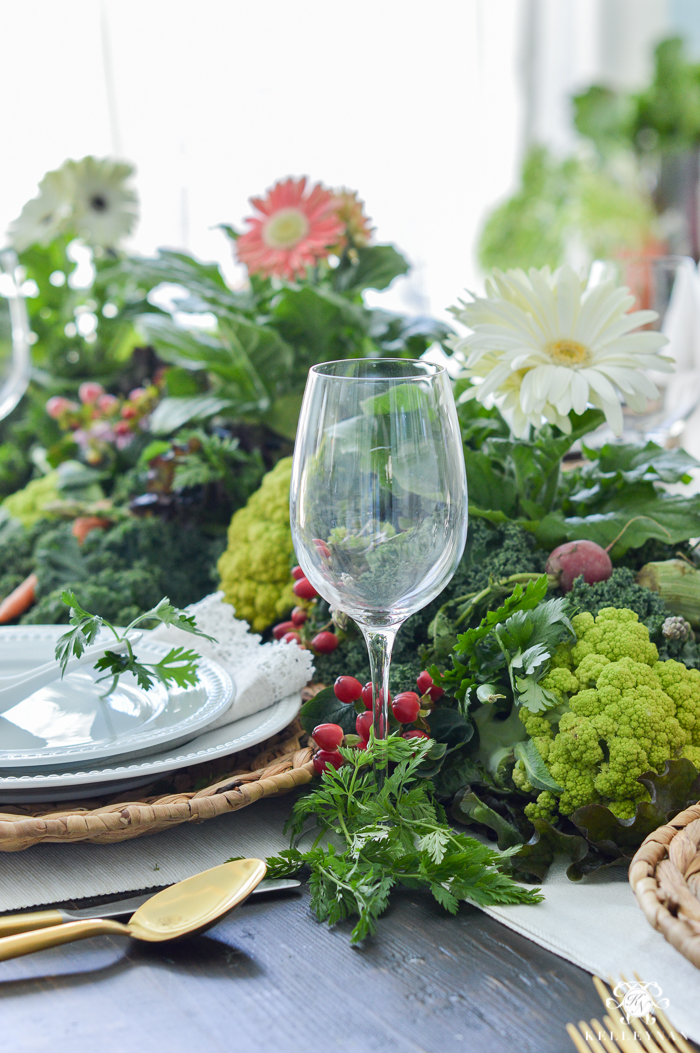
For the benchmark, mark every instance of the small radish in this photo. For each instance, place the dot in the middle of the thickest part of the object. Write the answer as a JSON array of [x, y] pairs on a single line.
[[576, 558]]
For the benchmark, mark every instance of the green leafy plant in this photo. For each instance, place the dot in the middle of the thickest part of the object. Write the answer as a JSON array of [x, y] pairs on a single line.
[[178, 666], [617, 495], [252, 362], [375, 834]]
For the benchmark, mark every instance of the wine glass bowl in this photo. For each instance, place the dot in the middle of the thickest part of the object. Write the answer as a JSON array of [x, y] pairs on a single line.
[[378, 496]]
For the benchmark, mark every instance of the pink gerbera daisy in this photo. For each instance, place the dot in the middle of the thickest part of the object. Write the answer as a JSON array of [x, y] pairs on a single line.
[[294, 231]]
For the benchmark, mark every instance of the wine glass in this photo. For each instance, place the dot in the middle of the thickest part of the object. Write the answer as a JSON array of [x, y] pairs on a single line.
[[379, 496], [668, 285], [15, 359]]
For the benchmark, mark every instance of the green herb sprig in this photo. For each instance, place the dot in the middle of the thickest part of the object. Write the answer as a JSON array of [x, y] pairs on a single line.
[[376, 837], [178, 666]]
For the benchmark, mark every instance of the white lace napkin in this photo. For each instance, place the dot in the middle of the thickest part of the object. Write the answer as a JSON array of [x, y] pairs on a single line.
[[263, 673]]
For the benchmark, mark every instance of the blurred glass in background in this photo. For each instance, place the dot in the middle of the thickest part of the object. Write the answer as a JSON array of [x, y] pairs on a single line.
[[668, 285], [15, 361]]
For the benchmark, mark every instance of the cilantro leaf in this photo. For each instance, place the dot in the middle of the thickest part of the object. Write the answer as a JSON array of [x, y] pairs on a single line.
[[165, 613], [86, 628], [178, 666]]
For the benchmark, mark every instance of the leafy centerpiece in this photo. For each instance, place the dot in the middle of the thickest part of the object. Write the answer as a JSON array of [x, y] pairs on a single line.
[[562, 689]]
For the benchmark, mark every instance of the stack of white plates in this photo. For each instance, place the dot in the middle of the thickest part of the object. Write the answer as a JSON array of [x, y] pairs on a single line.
[[66, 741]]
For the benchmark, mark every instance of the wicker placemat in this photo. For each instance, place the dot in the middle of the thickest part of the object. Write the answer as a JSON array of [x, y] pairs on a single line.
[[665, 876], [194, 794]]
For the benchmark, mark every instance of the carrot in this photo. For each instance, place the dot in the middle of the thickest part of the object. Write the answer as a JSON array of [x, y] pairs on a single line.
[[84, 524], [19, 601]]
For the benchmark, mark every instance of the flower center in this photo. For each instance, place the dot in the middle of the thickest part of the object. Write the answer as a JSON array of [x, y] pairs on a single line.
[[567, 352], [98, 202], [285, 228]]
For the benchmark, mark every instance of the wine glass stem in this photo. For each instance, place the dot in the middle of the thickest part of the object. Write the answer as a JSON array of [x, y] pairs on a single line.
[[380, 643]]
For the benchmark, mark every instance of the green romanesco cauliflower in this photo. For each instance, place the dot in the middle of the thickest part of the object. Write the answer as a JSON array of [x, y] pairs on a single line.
[[28, 505], [520, 778], [683, 686], [630, 714], [255, 567], [615, 633], [545, 807], [561, 682]]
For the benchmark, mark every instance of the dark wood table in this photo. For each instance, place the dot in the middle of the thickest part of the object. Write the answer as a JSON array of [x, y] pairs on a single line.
[[271, 979]]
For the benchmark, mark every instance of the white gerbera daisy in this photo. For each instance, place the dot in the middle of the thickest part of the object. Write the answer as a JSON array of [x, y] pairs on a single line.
[[543, 345], [105, 209], [46, 216]]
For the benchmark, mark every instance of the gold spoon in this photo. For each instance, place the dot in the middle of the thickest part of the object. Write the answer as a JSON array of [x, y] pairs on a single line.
[[189, 907]]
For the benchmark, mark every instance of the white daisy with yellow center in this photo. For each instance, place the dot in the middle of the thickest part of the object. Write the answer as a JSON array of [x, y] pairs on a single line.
[[545, 344]]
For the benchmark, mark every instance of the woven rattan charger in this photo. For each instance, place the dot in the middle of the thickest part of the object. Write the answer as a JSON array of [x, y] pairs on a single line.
[[203, 791], [665, 876]]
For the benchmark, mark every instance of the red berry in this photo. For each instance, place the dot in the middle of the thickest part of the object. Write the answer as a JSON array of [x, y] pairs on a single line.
[[405, 707], [291, 637], [322, 547], [280, 630], [347, 689], [303, 588], [416, 734], [326, 758], [297, 573], [328, 736], [299, 615], [424, 682], [363, 724], [436, 693], [367, 695], [362, 744], [324, 643]]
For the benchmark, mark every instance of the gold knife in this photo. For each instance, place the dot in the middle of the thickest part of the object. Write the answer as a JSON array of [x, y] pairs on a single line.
[[44, 919]]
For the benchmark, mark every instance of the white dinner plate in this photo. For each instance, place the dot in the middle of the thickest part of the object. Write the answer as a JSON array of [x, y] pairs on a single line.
[[67, 722], [111, 778]]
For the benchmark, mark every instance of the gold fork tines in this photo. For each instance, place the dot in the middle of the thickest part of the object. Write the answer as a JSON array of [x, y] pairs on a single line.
[[584, 1041], [600, 1039], [679, 1043], [636, 1036]]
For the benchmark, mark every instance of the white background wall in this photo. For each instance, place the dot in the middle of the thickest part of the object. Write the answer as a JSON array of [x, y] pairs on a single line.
[[420, 106], [416, 105]]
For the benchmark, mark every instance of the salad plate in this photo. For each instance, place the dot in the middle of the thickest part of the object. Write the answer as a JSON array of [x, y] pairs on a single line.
[[69, 723], [113, 777]]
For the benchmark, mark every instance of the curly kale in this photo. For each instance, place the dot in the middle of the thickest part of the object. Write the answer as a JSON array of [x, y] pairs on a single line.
[[17, 546], [491, 552], [117, 573], [620, 590]]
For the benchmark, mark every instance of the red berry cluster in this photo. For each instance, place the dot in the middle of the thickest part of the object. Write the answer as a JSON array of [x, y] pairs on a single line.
[[293, 631], [407, 707]]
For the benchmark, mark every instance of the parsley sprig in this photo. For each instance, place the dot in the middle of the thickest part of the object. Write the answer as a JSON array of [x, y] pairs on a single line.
[[374, 836], [178, 666]]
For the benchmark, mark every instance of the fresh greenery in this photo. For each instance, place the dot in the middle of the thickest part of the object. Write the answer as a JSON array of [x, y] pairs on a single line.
[[119, 572], [615, 496], [559, 201], [379, 826], [178, 667], [665, 117], [251, 363], [599, 197]]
